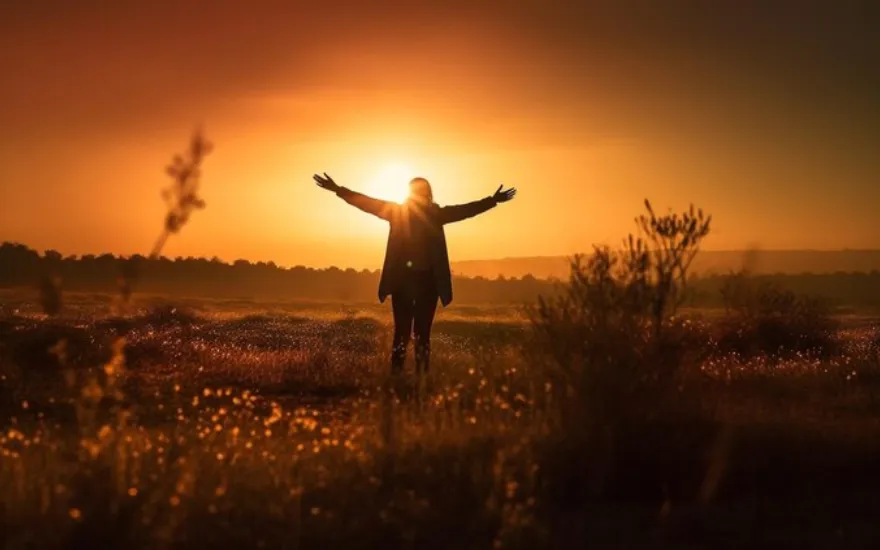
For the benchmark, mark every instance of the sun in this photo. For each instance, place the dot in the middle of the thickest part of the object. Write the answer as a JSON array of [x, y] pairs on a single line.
[[391, 182]]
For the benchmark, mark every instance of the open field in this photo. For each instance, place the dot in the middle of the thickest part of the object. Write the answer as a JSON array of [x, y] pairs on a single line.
[[275, 425], [656, 226]]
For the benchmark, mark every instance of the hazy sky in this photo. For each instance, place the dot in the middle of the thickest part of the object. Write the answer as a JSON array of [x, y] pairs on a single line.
[[766, 114]]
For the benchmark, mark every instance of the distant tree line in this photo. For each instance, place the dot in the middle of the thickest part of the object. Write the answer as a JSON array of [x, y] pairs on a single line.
[[21, 266], [839, 289]]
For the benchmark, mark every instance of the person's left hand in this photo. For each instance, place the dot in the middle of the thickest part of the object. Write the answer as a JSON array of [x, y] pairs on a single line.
[[505, 195], [326, 182]]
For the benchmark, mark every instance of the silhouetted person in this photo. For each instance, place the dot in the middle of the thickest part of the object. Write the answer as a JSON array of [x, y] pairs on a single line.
[[416, 269]]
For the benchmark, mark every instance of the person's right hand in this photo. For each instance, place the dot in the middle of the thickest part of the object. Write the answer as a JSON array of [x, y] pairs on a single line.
[[326, 182]]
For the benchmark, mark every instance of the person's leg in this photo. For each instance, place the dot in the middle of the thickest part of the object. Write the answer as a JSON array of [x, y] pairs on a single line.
[[402, 310], [423, 319]]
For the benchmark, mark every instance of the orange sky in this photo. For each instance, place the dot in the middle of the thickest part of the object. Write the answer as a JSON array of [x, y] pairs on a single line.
[[768, 119]]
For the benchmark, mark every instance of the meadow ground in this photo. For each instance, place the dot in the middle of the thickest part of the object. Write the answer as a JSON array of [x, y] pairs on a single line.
[[233, 423]]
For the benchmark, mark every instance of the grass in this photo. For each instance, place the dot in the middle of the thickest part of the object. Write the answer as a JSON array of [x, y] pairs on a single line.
[[277, 412], [602, 416], [266, 427]]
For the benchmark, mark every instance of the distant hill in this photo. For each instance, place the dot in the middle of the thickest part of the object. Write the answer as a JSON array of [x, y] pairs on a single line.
[[707, 262]]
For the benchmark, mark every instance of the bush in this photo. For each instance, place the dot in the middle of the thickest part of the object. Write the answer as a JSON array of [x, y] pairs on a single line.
[[617, 356], [762, 319], [166, 314]]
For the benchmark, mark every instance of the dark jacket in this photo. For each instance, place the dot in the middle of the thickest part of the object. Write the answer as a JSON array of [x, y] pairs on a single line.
[[402, 219]]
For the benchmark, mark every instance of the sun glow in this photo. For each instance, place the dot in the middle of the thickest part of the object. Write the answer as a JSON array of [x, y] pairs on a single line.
[[391, 182]]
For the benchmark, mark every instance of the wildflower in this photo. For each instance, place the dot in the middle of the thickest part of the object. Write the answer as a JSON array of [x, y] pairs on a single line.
[[92, 391], [59, 350], [117, 360], [277, 413], [92, 447], [511, 488]]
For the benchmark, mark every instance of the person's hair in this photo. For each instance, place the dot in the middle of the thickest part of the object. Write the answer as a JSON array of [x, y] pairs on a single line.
[[422, 188]]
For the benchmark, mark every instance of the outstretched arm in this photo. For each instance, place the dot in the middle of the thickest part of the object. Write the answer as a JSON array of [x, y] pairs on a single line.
[[376, 207], [458, 212]]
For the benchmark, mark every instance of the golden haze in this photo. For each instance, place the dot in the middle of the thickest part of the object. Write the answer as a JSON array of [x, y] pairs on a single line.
[[585, 124]]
